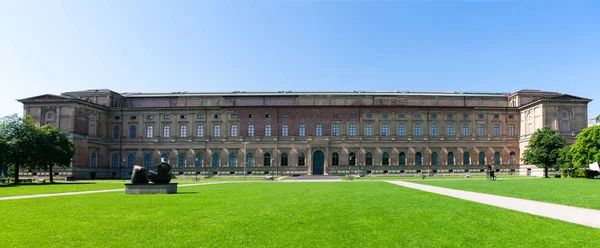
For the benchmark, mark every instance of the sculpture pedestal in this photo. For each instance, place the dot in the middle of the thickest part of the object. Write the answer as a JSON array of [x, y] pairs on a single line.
[[151, 188]]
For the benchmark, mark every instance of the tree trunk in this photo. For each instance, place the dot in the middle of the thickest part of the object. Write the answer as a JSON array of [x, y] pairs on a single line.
[[545, 172], [16, 174], [51, 175]]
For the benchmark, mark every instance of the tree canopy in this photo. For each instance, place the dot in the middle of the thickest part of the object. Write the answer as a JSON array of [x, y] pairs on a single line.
[[586, 149], [544, 149], [55, 149]]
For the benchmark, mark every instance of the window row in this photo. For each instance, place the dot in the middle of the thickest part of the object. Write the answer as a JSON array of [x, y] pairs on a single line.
[[385, 130]]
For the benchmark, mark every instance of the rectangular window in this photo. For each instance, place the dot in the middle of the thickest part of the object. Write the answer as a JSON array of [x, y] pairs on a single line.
[[480, 130], [450, 131], [319, 130], [465, 116], [369, 130], [401, 116], [117, 117], [352, 129], [302, 130], [336, 130], [417, 116], [216, 116], [496, 130], [385, 116], [150, 117], [233, 116], [183, 117], [285, 115], [369, 115], [511, 116], [267, 116], [433, 116], [450, 116], [352, 116], [167, 117], [418, 130], [496, 116], [133, 117], [434, 130], [401, 130], [200, 116], [385, 130], [465, 130], [250, 116], [481, 116]]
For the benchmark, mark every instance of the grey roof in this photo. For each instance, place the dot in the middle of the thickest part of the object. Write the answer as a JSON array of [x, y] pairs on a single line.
[[314, 93]]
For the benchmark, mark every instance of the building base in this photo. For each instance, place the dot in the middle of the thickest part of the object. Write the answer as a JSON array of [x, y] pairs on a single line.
[[141, 189]]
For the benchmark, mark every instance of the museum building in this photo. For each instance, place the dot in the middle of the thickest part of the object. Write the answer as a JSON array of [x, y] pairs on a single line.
[[303, 133]]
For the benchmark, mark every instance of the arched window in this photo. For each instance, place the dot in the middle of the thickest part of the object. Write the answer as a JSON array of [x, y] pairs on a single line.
[[92, 123], [267, 159], [93, 160], [496, 130], [301, 159], [511, 130], [450, 130], [481, 130], [319, 130], [385, 130], [200, 130], [481, 158], [217, 131], [250, 159], [149, 131], [234, 130], [530, 124], [183, 131], [466, 130], [116, 132], [497, 158], [352, 159], [369, 158], [402, 158], [450, 158], [369, 130], [433, 129], [418, 158], [114, 161], [181, 160], [352, 129], [216, 160], [466, 158], [147, 160], [418, 130], [268, 130], [335, 159], [130, 160], [385, 158], [232, 160], [166, 131], [284, 159], [284, 130], [513, 158], [164, 158], [336, 130], [251, 131], [401, 130], [434, 158], [301, 130], [198, 158], [132, 131]]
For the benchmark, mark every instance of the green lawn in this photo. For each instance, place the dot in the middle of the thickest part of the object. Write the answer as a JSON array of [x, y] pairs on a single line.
[[574, 192], [85, 185], [417, 177], [343, 214]]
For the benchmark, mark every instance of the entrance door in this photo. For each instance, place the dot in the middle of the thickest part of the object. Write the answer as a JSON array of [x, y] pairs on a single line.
[[318, 163]]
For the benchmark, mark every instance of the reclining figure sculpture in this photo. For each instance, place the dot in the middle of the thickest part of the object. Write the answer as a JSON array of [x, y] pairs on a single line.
[[142, 175]]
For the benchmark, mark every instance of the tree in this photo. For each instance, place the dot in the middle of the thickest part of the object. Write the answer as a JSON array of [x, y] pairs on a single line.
[[565, 161], [544, 149], [20, 140], [586, 149], [55, 149]]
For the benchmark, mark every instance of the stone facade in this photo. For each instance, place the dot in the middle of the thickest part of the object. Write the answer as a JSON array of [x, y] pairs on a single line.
[[288, 132]]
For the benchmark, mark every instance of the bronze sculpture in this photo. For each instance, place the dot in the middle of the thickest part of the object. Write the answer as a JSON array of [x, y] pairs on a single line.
[[141, 175]]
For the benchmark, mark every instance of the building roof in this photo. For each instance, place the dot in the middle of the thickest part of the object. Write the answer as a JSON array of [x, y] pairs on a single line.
[[314, 93]]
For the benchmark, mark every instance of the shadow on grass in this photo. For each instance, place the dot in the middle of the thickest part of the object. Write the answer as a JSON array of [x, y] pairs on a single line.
[[186, 193]]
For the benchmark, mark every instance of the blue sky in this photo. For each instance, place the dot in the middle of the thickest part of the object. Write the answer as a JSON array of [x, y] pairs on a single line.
[[166, 46]]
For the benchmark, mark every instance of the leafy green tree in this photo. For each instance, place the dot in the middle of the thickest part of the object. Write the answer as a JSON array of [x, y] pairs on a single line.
[[586, 149], [565, 161], [21, 143], [55, 149], [544, 149], [3, 168]]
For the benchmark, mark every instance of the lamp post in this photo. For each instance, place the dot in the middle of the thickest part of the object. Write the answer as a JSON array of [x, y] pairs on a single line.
[[196, 168], [245, 159]]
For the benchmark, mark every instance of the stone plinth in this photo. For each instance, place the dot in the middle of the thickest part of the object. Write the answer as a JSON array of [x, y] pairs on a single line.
[[139, 189]]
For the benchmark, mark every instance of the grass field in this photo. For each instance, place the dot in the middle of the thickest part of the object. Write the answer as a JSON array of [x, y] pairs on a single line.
[[574, 192], [416, 177], [85, 185], [343, 214]]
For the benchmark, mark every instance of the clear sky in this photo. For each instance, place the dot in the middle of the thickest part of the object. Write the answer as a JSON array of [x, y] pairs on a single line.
[[51, 46]]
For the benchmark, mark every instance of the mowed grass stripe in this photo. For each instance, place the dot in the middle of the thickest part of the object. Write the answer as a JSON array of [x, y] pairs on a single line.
[[566, 191], [344, 214]]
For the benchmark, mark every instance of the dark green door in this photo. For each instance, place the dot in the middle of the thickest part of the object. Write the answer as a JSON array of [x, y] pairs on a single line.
[[318, 163]]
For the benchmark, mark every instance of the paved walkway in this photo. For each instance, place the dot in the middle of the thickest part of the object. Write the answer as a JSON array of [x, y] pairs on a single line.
[[86, 192], [582, 216]]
